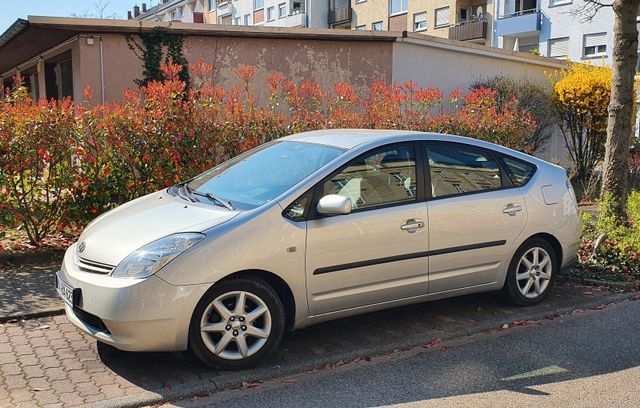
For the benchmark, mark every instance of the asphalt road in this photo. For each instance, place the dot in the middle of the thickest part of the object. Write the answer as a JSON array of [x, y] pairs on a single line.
[[589, 359]]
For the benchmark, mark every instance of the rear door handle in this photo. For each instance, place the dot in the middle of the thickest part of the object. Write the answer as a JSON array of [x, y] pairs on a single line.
[[511, 208], [412, 225]]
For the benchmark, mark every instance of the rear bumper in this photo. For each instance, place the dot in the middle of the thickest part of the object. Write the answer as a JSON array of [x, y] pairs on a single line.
[[131, 314]]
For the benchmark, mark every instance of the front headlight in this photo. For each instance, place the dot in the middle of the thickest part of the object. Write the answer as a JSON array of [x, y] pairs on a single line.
[[152, 257]]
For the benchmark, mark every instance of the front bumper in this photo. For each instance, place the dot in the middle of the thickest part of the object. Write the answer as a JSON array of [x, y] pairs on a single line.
[[131, 314]]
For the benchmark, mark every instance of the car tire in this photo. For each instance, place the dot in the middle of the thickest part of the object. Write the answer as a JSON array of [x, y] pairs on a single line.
[[234, 339], [531, 274]]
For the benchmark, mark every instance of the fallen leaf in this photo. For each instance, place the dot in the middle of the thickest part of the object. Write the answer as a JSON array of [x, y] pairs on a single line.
[[444, 349], [199, 395], [519, 323], [42, 327], [505, 326], [432, 343], [368, 358]]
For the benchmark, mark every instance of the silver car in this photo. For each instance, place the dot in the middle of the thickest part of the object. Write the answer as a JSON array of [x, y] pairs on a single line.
[[314, 227]]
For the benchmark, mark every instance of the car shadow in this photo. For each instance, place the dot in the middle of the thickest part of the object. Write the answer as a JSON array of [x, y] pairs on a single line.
[[177, 375]]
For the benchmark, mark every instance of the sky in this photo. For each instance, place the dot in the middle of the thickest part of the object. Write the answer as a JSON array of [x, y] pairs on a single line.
[[11, 10]]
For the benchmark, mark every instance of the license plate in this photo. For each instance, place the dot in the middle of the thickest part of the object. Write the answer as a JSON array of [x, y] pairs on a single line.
[[65, 290]]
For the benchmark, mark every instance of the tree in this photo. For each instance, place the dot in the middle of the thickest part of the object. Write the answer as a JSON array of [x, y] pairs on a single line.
[[621, 106], [99, 11]]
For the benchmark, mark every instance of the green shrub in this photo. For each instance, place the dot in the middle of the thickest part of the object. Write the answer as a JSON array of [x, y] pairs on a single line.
[[619, 256]]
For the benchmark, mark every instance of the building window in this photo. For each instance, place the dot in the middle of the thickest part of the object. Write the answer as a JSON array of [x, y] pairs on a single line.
[[282, 10], [559, 2], [212, 5], [397, 6], [363, 27], [360, 1], [236, 21], [559, 47], [377, 26], [420, 21], [247, 19], [271, 13], [442, 17], [595, 45], [259, 4]]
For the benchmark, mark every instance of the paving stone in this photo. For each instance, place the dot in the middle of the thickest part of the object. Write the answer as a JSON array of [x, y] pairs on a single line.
[[71, 398], [33, 371], [62, 386]]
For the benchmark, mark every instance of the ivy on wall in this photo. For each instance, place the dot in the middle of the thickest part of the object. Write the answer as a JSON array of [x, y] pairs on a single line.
[[152, 48]]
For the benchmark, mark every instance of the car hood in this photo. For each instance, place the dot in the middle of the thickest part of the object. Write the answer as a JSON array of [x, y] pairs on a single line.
[[119, 232]]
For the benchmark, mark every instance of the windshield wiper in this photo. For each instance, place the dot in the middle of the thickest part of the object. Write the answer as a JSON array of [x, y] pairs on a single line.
[[211, 197]]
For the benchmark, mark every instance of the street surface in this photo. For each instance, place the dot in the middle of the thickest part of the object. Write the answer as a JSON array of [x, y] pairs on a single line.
[[589, 359]]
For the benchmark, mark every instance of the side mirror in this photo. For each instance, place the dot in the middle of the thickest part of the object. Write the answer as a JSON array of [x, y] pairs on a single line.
[[334, 204]]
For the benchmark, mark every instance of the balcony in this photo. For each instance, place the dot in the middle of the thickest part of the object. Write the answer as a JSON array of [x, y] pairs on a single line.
[[519, 23], [224, 7], [340, 15], [469, 30]]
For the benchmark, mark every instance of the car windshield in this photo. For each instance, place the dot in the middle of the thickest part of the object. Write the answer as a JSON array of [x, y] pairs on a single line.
[[262, 174]]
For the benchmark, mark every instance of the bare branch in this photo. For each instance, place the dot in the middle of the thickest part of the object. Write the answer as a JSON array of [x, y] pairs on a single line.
[[587, 11]]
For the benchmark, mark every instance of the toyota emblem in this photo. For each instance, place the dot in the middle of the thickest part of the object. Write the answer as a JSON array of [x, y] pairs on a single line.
[[82, 246]]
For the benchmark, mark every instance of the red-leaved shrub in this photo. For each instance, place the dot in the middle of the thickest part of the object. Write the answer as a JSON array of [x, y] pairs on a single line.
[[61, 163]]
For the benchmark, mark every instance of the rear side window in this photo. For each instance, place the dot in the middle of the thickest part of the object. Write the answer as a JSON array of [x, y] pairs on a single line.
[[460, 169], [520, 172]]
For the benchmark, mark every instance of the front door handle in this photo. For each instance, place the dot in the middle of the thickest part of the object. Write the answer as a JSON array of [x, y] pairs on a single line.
[[412, 225], [511, 208]]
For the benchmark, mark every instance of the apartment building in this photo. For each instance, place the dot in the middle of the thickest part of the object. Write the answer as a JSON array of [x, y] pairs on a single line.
[[554, 28], [184, 11], [463, 20]]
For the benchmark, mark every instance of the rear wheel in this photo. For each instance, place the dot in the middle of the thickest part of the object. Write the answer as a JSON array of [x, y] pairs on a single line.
[[531, 273], [237, 324]]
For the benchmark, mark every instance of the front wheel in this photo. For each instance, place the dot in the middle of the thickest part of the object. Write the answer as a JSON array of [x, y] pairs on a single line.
[[236, 324], [531, 273]]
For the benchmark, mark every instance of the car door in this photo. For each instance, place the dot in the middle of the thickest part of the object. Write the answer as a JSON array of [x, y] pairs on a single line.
[[378, 252], [475, 215]]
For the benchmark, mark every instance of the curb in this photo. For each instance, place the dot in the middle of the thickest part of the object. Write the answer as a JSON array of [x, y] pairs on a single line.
[[25, 258], [32, 315], [623, 286], [235, 379]]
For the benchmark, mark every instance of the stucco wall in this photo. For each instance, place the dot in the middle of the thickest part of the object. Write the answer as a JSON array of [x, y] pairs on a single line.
[[326, 62]]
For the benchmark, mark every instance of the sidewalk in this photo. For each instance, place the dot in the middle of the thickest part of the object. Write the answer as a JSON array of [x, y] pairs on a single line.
[[28, 290], [48, 362]]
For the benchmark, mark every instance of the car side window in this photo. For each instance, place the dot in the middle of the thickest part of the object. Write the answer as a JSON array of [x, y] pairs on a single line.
[[456, 168], [384, 176], [519, 171]]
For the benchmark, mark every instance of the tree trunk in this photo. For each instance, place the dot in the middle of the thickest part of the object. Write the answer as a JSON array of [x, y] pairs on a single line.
[[620, 114]]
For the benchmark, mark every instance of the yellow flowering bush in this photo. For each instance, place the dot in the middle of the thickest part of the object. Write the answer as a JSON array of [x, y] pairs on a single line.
[[581, 94]]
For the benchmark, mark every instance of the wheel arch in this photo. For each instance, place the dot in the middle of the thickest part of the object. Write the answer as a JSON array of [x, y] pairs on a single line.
[[278, 284], [553, 241]]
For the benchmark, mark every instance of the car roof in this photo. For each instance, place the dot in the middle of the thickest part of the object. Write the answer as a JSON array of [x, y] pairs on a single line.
[[351, 138], [346, 138]]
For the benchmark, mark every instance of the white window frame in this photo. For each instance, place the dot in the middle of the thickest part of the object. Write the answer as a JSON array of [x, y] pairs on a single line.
[[255, 5], [554, 3], [422, 21], [362, 27], [404, 6], [282, 10], [271, 11], [435, 17], [373, 26], [596, 54], [558, 39], [247, 19]]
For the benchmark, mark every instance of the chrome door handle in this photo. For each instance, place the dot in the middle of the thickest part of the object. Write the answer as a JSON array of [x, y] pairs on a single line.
[[511, 208], [412, 225]]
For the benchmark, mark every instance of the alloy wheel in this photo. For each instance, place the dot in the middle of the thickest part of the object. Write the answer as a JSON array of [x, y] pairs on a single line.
[[236, 325], [533, 273]]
